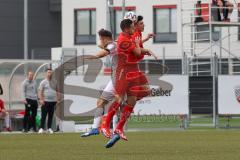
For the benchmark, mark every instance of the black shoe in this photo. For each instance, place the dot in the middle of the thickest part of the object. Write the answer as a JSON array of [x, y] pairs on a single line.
[[198, 19], [25, 131], [57, 130]]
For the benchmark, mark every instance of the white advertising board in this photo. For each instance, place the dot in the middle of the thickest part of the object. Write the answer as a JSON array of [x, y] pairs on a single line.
[[161, 101], [171, 102], [228, 88]]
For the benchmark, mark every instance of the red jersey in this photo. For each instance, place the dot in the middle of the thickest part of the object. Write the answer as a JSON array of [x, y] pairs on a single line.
[[125, 46], [127, 74], [138, 34], [1, 105]]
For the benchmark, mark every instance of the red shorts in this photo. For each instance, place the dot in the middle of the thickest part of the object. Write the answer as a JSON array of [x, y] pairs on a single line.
[[130, 83]]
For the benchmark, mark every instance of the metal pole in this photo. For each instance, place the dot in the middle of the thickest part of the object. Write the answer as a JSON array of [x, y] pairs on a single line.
[[25, 26], [181, 35], [192, 43], [192, 37], [220, 60], [197, 66], [38, 70], [110, 15], [108, 26], [185, 62], [10, 83], [76, 63], [229, 51], [83, 68], [32, 54], [210, 28], [213, 61], [123, 8], [214, 92], [215, 119], [163, 61], [190, 60]]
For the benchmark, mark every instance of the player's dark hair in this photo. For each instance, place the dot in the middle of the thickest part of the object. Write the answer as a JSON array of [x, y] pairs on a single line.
[[49, 67], [125, 24], [105, 33], [30, 70], [139, 18]]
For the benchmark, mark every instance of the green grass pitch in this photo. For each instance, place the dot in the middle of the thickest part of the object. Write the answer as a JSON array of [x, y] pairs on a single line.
[[193, 144]]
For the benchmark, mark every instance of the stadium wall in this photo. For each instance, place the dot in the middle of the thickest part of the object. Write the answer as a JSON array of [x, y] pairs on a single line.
[[44, 29]]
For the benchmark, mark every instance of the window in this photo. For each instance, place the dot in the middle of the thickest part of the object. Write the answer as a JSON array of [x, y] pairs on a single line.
[[169, 66], [85, 26], [118, 18], [165, 23], [205, 36]]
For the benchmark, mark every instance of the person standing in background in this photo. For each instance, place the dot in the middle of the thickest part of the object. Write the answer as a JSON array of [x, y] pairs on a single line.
[[1, 90], [226, 9], [29, 89], [49, 96]]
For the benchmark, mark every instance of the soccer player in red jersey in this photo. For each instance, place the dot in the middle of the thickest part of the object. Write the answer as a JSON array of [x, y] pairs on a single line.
[[139, 28], [128, 80]]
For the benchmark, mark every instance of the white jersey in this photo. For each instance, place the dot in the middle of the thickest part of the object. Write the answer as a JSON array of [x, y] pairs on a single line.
[[112, 49], [108, 91]]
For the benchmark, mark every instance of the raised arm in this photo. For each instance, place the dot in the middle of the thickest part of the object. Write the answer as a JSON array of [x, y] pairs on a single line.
[[150, 35], [148, 52], [100, 54], [137, 50]]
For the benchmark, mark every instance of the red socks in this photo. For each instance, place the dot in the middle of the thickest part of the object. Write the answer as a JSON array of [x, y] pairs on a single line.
[[127, 110], [112, 110]]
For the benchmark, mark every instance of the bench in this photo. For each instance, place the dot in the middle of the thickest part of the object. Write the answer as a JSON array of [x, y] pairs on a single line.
[[16, 121]]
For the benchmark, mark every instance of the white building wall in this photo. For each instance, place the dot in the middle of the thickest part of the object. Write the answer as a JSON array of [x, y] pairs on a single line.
[[68, 7], [143, 7]]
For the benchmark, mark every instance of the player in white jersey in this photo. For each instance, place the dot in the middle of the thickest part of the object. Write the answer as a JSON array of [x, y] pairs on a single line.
[[109, 48]]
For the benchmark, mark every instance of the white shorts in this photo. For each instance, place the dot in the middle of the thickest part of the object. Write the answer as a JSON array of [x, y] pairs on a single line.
[[108, 92]]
